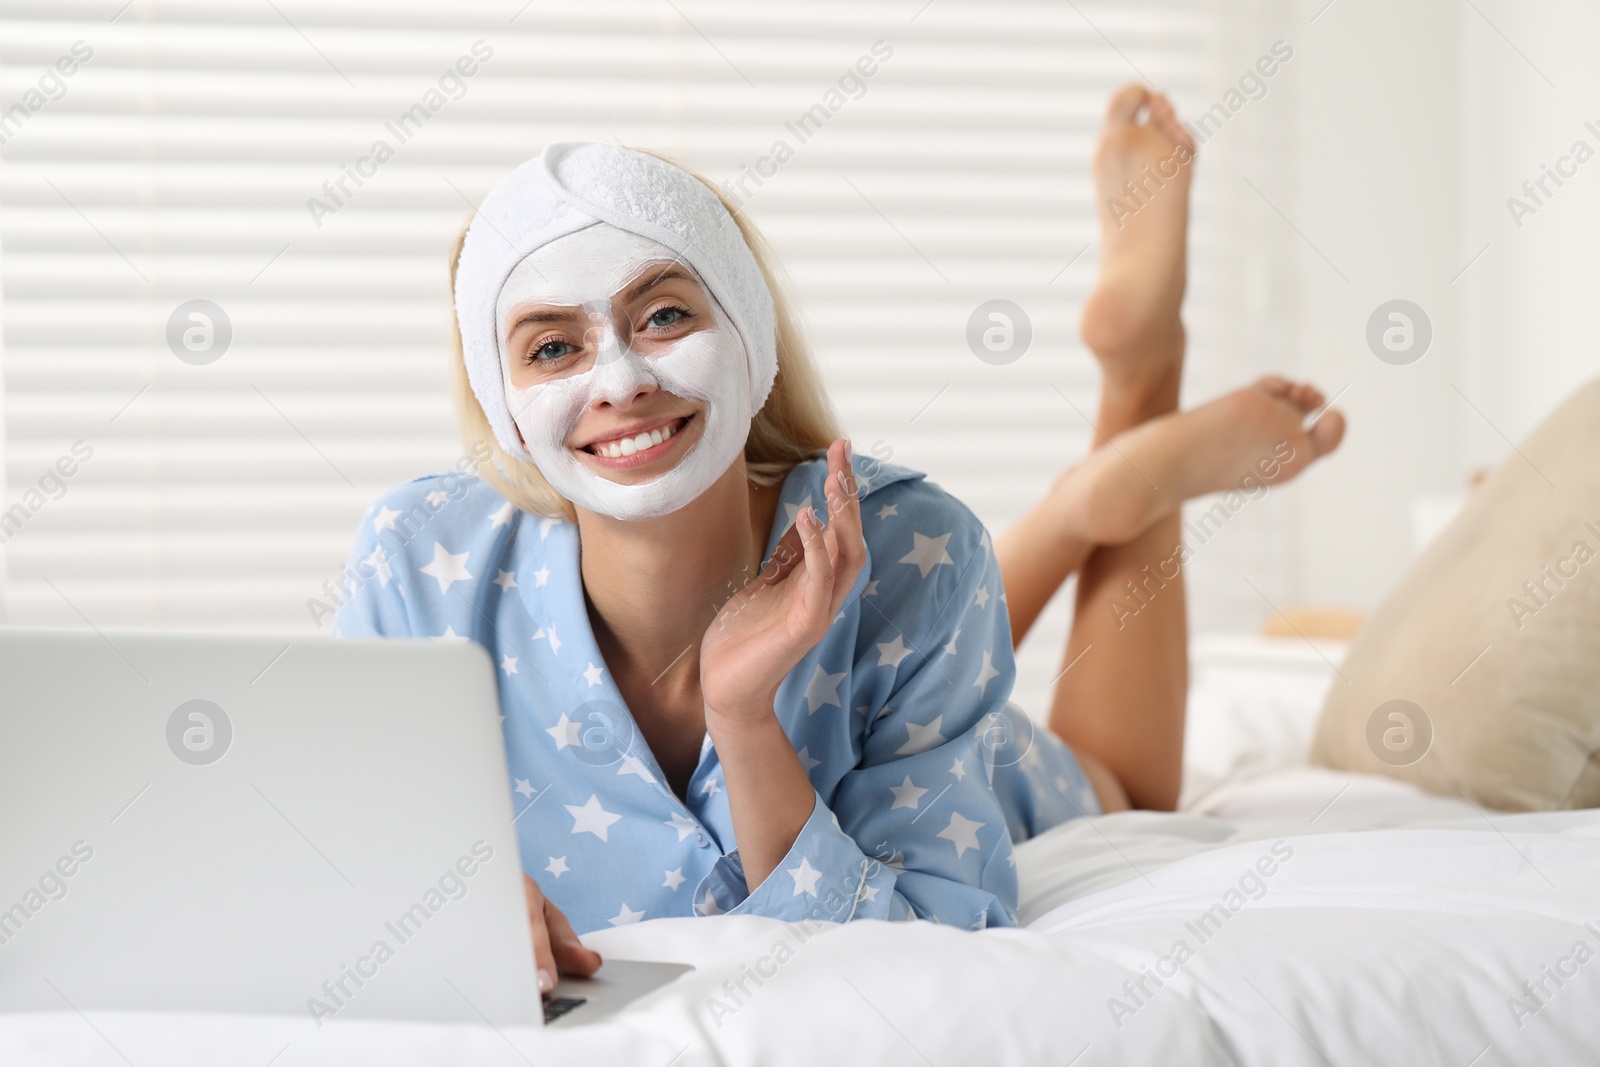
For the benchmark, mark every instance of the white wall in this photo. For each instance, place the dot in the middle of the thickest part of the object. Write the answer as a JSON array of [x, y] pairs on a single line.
[[1414, 123], [1374, 196], [1532, 299]]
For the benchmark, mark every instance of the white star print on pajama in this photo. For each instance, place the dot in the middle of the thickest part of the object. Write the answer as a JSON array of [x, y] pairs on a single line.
[[888, 714], [447, 567], [379, 562], [907, 794]]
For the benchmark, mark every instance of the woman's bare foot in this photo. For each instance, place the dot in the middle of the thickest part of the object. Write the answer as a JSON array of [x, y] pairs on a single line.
[[1141, 169], [1243, 441], [1131, 324]]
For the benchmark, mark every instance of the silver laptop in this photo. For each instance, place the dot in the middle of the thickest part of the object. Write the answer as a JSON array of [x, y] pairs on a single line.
[[305, 826]]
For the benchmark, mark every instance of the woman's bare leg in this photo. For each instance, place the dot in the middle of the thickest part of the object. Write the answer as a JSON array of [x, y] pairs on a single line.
[[1245, 440], [1120, 698], [1130, 323], [1122, 704], [1036, 555], [1114, 518]]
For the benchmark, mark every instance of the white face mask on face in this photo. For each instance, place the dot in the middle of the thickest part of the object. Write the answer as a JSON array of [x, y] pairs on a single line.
[[587, 269]]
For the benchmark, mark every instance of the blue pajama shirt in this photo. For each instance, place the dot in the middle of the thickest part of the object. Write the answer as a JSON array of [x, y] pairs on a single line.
[[924, 772]]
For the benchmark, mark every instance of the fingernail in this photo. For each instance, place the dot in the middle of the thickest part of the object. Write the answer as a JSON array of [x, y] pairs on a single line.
[[547, 981], [847, 448]]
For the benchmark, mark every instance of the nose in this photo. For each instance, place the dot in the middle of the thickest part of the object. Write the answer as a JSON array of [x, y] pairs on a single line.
[[620, 374]]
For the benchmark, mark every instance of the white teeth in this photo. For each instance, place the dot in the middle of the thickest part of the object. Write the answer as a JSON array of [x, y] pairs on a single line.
[[629, 445]]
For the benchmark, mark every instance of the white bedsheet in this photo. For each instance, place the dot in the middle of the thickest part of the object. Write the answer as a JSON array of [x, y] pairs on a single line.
[[1393, 928]]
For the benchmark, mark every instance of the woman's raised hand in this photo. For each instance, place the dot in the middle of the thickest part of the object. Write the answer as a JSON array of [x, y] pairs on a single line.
[[780, 615]]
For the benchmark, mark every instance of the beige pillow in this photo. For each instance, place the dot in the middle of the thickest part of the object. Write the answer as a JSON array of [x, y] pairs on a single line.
[[1515, 582]]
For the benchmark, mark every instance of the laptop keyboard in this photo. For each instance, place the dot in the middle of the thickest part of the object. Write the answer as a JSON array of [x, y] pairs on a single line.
[[556, 1007]]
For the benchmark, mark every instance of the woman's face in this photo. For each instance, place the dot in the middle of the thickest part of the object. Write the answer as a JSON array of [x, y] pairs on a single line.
[[620, 367]]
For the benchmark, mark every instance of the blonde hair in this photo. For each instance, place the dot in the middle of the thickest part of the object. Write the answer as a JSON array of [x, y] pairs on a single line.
[[796, 423]]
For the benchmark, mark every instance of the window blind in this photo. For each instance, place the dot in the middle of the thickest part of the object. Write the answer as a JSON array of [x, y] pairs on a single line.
[[224, 153]]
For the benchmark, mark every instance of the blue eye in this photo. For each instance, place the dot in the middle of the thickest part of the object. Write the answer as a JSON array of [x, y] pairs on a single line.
[[674, 315], [544, 353]]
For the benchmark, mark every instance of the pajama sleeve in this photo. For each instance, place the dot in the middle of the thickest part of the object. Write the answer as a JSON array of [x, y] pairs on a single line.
[[914, 829]]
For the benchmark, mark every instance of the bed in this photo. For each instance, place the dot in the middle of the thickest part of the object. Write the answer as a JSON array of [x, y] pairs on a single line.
[[1285, 915]]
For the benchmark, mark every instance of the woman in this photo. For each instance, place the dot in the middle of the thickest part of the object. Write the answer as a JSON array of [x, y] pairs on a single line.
[[742, 669]]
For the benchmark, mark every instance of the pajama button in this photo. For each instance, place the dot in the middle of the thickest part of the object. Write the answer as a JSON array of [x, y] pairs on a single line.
[[701, 839]]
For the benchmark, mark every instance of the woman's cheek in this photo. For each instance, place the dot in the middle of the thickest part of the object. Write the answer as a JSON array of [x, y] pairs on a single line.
[[707, 365], [546, 414]]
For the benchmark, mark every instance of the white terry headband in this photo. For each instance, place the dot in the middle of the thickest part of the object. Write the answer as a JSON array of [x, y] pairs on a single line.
[[634, 191]]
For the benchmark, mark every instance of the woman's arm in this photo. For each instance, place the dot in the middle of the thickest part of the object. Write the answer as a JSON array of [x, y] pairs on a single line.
[[769, 795], [915, 828], [752, 645]]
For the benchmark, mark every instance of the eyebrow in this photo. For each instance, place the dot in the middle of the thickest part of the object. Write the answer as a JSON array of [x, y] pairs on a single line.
[[536, 317], [671, 272]]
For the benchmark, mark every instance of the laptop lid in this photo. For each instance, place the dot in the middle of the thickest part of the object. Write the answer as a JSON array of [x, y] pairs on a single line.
[[261, 824]]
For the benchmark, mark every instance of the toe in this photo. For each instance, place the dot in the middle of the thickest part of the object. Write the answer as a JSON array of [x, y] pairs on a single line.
[[1275, 385], [1327, 433], [1164, 117], [1178, 131], [1126, 103], [1302, 395]]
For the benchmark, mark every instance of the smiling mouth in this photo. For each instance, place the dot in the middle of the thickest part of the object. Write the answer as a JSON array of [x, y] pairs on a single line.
[[641, 448]]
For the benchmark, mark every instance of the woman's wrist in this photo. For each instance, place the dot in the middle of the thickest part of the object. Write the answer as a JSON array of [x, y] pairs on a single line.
[[739, 726]]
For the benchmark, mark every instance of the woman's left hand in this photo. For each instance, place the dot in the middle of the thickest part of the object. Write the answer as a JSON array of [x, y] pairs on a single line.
[[781, 614]]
